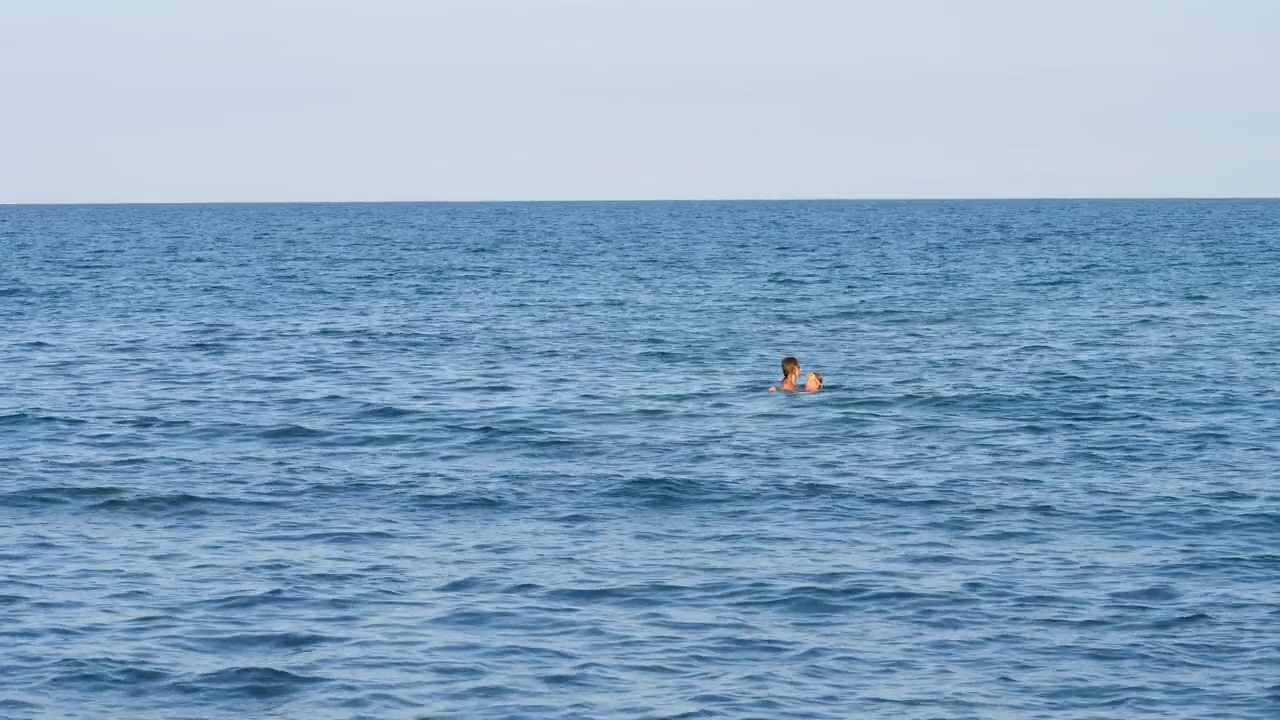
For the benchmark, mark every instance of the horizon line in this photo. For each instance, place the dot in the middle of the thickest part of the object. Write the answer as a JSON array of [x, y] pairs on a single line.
[[956, 198]]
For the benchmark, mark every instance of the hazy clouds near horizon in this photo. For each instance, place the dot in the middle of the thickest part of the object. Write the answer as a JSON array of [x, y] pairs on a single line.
[[162, 101]]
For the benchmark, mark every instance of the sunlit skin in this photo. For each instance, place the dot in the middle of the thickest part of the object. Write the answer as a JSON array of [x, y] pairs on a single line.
[[790, 376], [813, 382]]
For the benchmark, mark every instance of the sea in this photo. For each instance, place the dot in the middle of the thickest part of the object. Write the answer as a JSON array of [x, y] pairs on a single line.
[[519, 460]]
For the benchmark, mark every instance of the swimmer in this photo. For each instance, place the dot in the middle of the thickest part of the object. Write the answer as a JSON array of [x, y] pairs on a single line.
[[813, 382], [790, 376]]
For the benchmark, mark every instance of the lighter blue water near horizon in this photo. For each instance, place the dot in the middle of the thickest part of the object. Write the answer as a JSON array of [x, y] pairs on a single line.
[[518, 461]]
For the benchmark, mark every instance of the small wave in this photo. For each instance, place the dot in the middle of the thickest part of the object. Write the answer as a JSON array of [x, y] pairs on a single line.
[[814, 489], [102, 673], [209, 346], [1230, 496], [1181, 621], [291, 432], [935, 559], [973, 400], [573, 518], [1267, 520], [389, 439], [337, 537], [622, 593], [249, 600], [386, 412], [664, 490], [1051, 282], [25, 418], [456, 501], [495, 431], [343, 332], [472, 618], [467, 584], [890, 316], [249, 682], [34, 497], [129, 595], [274, 377], [566, 679], [1155, 593], [151, 421], [210, 328], [184, 502], [257, 641], [659, 354]]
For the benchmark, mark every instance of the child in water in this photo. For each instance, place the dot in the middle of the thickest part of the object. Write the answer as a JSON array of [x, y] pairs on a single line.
[[790, 376], [813, 382]]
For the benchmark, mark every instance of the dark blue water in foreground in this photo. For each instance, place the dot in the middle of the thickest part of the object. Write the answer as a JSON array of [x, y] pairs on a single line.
[[518, 461]]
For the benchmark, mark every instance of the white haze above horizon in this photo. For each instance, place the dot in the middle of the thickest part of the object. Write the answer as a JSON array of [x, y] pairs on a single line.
[[377, 100]]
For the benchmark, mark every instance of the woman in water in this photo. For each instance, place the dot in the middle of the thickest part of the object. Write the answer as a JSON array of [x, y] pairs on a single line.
[[790, 376]]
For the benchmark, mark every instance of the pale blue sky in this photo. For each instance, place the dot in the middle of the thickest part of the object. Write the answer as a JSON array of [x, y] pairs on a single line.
[[197, 100]]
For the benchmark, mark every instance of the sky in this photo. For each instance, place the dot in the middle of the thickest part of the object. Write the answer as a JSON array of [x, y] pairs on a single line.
[[381, 100]]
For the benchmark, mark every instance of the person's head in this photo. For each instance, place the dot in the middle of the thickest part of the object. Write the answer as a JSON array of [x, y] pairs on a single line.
[[790, 367], [813, 382]]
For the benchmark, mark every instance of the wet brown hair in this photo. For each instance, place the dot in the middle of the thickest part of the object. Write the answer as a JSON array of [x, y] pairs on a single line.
[[790, 365]]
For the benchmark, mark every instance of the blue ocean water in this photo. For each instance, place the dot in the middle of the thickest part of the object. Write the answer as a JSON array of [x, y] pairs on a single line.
[[518, 461]]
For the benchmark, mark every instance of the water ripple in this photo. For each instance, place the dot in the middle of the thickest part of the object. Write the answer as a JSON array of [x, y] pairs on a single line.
[[517, 461]]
